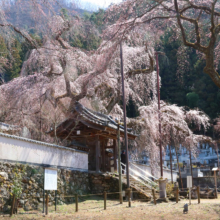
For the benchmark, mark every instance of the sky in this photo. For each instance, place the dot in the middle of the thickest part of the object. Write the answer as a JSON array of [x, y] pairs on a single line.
[[95, 4]]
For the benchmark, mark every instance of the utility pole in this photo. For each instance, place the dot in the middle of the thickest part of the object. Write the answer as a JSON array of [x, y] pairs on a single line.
[[190, 157], [159, 116], [119, 164], [162, 182], [124, 110]]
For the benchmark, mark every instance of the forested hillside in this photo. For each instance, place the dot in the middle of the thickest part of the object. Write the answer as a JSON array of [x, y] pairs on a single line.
[[183, 79], [15, 50]]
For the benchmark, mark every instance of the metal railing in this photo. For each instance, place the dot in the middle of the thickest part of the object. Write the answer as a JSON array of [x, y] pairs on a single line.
[[141, 181]]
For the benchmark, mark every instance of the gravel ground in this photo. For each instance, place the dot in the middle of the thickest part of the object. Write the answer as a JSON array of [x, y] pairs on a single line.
[[93, 209]]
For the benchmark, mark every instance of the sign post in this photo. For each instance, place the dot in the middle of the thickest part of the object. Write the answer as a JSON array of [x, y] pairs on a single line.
[[216, 187], [50, 183], [44, 196], [50, 179], [189, 185]]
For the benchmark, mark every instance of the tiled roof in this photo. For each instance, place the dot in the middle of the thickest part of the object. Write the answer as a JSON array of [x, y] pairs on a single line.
[[97, 117], [7, 127]]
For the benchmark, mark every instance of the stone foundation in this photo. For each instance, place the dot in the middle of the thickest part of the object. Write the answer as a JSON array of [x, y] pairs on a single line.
[[70, 182]]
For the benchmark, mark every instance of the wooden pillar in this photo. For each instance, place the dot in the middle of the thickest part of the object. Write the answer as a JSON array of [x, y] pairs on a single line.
[[76, 202], [216, 188], [198, 193], [103, 156], [12, 205], [115, 155], [97, 154], [105, 198], [154, 197], [47, 203]]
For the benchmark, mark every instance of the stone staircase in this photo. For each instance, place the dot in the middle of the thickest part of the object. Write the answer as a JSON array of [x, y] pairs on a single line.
[[137, 185], [140, 182]]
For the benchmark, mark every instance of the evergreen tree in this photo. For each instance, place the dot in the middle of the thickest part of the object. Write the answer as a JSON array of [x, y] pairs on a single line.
[[14, 67], [195, 89], [3, 59], [3, 48], [192, 99], [132, 109]]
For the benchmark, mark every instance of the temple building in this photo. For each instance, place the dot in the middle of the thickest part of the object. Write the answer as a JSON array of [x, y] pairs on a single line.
[[95, 133]]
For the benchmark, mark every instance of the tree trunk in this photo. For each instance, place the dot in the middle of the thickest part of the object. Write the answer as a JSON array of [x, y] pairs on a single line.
[[179, 167], [171, 169]]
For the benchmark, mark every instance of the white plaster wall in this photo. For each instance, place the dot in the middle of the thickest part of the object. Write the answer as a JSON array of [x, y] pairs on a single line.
[[146, 168], [40, 153]]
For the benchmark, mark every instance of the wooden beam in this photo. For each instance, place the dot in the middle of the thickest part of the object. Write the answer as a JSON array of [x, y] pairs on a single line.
[[89, 132], [101, 136], [93, 125], [114, 133]]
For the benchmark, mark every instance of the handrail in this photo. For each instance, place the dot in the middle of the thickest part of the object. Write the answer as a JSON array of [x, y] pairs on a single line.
[[140, 181], [142, 176], [139, 175], [144, 171]]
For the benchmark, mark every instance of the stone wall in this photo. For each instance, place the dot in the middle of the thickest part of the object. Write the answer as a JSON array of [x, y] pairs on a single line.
[[105, 182], [70, 182], [110, 183]]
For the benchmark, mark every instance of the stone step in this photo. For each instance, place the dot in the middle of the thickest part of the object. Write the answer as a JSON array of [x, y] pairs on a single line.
[[138, 185]]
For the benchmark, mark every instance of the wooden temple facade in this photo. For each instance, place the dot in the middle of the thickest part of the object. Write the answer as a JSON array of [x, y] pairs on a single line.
[[95, 133]]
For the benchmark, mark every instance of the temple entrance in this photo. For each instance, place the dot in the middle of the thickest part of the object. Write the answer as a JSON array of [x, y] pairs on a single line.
[[95, 133]]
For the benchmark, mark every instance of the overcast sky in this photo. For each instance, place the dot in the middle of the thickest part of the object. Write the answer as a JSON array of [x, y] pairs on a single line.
[[95, 4]]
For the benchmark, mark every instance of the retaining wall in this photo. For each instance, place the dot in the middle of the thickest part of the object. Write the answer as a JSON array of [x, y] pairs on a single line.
[[69, 183]]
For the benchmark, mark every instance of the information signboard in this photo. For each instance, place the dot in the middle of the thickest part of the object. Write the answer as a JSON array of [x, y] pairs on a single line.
[[50, 179], [189, 181]]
